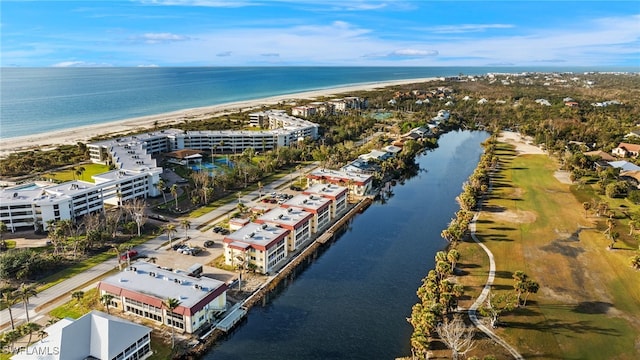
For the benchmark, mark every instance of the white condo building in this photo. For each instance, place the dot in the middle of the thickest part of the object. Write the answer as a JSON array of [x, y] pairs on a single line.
[[136, 172]]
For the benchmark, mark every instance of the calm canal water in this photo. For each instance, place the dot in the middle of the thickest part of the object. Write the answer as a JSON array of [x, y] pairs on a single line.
[[353, 300]]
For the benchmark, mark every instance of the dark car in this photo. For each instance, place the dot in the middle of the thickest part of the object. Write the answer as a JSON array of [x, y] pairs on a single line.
[[209, 243]]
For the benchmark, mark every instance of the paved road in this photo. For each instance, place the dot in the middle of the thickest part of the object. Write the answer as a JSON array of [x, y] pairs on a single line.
[[60, 293]]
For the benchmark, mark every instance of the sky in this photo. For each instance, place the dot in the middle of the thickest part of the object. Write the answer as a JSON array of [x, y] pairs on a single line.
[[319, 33]]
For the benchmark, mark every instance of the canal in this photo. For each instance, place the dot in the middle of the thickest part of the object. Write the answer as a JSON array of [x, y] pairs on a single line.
[[352, 300]]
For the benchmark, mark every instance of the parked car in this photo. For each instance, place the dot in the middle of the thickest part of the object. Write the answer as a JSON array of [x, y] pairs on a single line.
[[130, 254], [209, 243], [217, 229], [180, 247], [224, 232]]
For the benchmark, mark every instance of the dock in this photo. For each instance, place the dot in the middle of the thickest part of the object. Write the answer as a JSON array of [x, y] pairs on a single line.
[[235, 315]]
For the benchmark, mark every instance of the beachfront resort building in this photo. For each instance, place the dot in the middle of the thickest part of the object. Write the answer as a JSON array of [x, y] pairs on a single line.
[[136, 172], [95, 335], [297, 221], [259, 246], [142, 288], [359, 184]]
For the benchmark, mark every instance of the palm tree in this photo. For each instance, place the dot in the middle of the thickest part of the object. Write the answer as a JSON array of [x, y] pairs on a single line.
[[170, 229], [106, 301], [186, 225], [160, 185], [8, 300], [30, 328], [171, 304], [260, 190], [24, 293], [453, 256], [77, 295], [174, 193], [152, 259]]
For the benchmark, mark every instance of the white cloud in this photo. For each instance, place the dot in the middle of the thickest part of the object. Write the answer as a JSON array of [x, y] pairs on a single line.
[[148, 66], [80, 64], [156, 38], [202, 3], [413, 53], [224, 53], [465, 28]]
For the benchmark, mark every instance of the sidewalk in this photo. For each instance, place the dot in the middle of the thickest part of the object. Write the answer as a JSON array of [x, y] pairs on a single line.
[[48, 299]]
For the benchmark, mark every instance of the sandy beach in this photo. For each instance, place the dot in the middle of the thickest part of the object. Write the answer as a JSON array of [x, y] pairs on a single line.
[[50, 140]]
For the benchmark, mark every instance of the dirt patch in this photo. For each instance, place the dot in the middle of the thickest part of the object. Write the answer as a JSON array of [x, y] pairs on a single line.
[[515, 216], [523, 144], [563, 177]]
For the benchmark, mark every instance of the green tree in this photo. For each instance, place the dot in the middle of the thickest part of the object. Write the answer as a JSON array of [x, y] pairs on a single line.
[[174, 193], [495, 305], [30, 328], [24, 293], [171, 304], [453, 256], [160, 185], [186, 225], [77, 295], [170, 230], [8, 300], [106, 301]]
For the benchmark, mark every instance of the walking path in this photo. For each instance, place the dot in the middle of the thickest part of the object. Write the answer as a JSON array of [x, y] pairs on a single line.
[[473, 310], [48, 299]]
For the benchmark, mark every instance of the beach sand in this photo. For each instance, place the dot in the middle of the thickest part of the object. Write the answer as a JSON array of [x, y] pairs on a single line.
[[53, 139]]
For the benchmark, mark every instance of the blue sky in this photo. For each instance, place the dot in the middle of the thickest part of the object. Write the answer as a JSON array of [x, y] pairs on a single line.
[[319, 32]]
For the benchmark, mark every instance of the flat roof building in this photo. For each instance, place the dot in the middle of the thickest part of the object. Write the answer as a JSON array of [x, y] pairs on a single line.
[[260, 246], [319, 206], [337, 194], [142, 288], [358, 184], [297, 221]]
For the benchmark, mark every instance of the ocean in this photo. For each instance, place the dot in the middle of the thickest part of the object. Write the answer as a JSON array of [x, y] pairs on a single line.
[[39, 100]]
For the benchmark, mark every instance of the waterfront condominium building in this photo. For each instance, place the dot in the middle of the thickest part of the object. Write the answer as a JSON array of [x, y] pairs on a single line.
[[358, 184], [297, 221], [337, 194], [95, 335], [142, 288], [261, 246], [319, 206], [283, 130]]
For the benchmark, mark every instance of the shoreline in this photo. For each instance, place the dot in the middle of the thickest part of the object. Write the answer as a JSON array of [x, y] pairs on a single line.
[[71, 136]]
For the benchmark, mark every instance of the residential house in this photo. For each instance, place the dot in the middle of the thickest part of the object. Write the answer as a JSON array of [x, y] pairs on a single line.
[[626, 150]]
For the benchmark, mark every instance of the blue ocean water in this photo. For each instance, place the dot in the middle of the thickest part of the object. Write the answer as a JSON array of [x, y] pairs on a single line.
[[39, 100]]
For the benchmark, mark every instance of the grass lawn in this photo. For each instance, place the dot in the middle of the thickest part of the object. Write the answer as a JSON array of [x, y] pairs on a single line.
[[70, 174], [86, 264], [589, 298]]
